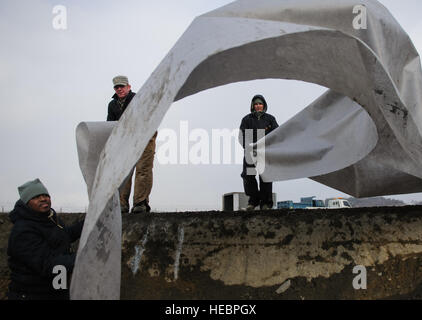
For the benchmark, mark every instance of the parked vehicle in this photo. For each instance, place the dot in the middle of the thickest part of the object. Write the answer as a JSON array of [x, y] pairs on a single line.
[[305, 203], [312, 203], [334, 203]]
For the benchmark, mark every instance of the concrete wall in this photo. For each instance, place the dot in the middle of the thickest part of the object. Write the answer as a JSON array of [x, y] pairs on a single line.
[[302, 254]]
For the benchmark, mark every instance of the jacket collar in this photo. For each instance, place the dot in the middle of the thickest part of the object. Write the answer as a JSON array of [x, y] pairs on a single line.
[[22, 211], [131, 93]]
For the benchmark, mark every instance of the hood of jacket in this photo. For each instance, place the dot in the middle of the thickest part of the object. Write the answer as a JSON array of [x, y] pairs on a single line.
[[22, 211], [258, 96]]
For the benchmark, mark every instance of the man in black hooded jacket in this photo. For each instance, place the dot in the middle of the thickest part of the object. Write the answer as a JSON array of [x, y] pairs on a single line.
[[253, 127], [39, 247]]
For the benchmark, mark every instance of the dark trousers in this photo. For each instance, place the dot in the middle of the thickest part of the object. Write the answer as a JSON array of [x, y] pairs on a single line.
[[257, 196]]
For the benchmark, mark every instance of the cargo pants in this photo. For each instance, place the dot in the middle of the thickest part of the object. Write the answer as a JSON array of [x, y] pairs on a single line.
[[143, 178]]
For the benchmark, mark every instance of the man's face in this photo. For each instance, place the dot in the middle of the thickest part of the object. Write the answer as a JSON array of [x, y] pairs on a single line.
[[41, 203], [122, 91], [259, 106]]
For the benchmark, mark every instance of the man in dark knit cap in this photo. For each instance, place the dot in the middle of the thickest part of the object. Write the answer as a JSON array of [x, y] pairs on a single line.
[[39, 247]]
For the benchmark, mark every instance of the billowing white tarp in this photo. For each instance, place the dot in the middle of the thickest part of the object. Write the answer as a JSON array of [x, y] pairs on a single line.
[[362, 137]]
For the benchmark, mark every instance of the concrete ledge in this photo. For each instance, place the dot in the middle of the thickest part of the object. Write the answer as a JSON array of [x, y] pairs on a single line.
[[300, 254], [280, 254]]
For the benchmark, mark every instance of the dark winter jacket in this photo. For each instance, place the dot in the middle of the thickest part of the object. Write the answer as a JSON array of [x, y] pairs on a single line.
[[37, 243], [256, 121], [115, 109]]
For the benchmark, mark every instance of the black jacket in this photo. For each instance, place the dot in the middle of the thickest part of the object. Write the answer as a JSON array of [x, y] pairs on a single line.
[[115, 111], [38, 243], [254, 121]]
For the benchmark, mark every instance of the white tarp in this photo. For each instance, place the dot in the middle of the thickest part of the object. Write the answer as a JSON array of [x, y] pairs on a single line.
[[362, 137]]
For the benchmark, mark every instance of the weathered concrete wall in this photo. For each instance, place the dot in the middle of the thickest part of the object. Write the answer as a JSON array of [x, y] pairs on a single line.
[[303, 254], [250, 256]]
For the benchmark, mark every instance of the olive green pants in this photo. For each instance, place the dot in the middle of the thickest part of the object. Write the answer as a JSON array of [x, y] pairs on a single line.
[[143, 178]]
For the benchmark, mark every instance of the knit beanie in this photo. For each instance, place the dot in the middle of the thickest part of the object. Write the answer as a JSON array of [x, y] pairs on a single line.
[[32, 189]]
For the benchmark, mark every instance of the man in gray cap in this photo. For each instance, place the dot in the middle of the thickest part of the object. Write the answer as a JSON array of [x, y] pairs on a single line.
[[39, 243], [143, 176], [122, 97]]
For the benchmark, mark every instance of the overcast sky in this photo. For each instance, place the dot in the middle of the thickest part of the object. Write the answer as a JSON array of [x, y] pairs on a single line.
[[51, 80]]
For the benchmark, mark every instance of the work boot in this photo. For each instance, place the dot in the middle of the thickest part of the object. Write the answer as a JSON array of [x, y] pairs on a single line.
[[265, 207], [250, 207], [139, 208]]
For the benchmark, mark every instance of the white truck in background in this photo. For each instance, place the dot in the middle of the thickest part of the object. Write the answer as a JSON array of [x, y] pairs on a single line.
[[337, 203]]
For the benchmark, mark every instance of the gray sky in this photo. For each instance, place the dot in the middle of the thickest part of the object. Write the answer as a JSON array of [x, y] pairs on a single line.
[[51, 80]]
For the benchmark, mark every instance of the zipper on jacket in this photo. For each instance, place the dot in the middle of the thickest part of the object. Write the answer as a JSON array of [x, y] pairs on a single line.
[[51, 218]]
